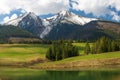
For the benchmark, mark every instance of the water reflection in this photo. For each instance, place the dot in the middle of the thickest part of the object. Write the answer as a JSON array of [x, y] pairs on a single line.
[[63, 75]]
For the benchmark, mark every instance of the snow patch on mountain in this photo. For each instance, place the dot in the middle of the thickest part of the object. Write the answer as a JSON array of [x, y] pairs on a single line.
[[16, 21], [66, 17], [79, 20], [47, 29]]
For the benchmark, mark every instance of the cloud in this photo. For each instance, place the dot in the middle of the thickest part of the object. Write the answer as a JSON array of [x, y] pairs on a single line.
[[23, 11], [115, 17], [97, 7], [115, 4], [7, 18], [37, 6]]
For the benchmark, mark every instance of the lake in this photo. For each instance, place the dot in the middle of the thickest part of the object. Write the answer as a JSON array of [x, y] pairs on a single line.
[[29, 74]]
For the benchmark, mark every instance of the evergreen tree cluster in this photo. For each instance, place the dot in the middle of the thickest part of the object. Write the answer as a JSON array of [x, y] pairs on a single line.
[[60, 50], [105, 45], [102, 45], [87, 49]]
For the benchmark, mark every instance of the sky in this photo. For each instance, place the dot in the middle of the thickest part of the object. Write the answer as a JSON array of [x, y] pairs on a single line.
[[103, 9]]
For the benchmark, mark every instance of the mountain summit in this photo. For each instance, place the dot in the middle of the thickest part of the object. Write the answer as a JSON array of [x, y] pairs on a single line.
[[64, 17], [66, 25], [30, 22], [69, 17]]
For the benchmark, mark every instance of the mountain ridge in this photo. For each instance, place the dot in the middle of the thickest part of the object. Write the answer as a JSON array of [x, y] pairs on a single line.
[[57, 23]]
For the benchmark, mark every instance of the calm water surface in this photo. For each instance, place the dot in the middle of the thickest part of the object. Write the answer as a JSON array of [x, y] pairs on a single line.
[[59, 75]]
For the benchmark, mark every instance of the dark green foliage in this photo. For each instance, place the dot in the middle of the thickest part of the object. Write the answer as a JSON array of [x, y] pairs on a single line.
[[87, 49], [105, 45], [60, 50], [13, 31]]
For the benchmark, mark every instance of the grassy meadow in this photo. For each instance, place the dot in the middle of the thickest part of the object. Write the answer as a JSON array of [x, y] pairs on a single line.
[[14, 53], [11, 54], [91, 57], [26, 52]]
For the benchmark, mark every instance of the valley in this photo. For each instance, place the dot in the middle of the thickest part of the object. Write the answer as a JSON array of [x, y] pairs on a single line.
[[27, 39], [59, 39]]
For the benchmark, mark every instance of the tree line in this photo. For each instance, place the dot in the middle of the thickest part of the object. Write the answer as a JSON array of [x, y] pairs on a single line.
[[64, 49], [61, 50], [103, 45]]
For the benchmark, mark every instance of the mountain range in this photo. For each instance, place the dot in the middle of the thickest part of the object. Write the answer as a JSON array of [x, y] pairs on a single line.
[[66, 25]]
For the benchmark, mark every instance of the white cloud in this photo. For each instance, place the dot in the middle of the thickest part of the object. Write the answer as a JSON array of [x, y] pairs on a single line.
[[115, 4], [7, 18], [97, 7], [23, 11], [37, 6], [115, 17]]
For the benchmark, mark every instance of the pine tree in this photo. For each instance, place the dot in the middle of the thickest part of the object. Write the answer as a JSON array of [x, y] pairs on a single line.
[[87, 49], [106, 45]]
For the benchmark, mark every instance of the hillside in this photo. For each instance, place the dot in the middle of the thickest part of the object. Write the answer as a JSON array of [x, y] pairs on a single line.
[[11, 31], [33, 56], [110, 59], [90, 31]]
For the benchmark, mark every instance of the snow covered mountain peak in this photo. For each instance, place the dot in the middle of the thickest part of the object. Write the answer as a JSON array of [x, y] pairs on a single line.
[[28, 14], [64, 13], [42, 27], [74, 18], [66, 16], [30, 22], [32, 15], [16, 21]]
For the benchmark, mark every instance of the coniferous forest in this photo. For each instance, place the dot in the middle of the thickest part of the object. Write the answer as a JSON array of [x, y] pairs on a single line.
[[106, 45], [102, 45], [61, 50]]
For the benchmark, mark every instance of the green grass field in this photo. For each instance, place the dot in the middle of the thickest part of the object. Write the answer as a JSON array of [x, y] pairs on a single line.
[[95, 56], [81, 47], [14, 53], [85, 57], [26, 52], [21, 52]]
